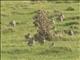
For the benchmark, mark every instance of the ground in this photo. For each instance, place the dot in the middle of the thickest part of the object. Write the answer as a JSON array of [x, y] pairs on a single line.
[[13, 43]]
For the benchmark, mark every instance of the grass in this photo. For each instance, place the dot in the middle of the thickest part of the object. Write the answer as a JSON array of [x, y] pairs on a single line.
[[13, 44]]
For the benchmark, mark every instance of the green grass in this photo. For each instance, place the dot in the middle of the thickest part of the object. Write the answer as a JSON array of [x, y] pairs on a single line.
[[13, 44]]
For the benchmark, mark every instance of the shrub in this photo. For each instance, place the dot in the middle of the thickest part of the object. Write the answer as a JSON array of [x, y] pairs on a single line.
[[70, 9]]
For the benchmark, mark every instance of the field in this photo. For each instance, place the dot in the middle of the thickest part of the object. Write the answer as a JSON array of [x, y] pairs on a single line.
[[13, 43]]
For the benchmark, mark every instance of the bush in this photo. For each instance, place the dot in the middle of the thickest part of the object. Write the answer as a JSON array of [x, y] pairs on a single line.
[[70, 9]]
